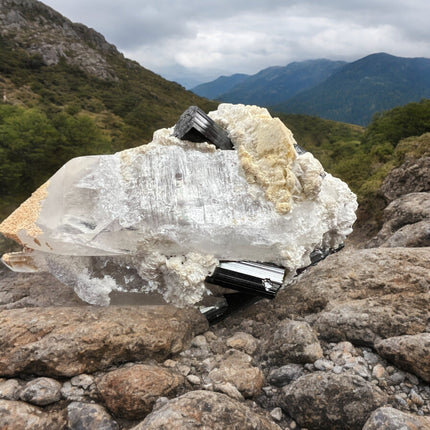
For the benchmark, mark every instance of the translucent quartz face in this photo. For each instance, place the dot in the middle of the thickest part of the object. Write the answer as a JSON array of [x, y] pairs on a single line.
[[157, 218]]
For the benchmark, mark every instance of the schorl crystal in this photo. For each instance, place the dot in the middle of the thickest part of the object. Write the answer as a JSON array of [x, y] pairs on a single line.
[[194, 125]]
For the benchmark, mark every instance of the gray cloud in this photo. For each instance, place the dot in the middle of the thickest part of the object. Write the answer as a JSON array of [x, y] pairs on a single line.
[[229, 36]]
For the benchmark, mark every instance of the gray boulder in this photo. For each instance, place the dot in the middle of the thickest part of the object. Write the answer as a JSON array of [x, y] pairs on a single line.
[[411, 177], [323, 400], [22, 416], [70, 341], [406, 222], [411, 353], [387, 418], [205, 410]]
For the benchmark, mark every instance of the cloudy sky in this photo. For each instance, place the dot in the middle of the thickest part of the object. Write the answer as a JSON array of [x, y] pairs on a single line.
[[199, 40]]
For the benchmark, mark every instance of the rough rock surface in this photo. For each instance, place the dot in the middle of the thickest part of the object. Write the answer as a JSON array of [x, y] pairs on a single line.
[[204, 409], [22, 416], [406, 222], [294, 341], [235, 368], [58, 37], [328, 401], [69, 341], [411, 353], [24, 290], [361, 295], [41, 391], [89, 416], [131, 392], [411, 177], [387, 418]]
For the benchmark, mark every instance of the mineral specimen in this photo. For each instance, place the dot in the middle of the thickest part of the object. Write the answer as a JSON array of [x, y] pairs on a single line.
[[159, 217]]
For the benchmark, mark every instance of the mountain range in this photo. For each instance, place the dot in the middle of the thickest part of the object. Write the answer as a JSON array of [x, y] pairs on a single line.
[[336, 90]]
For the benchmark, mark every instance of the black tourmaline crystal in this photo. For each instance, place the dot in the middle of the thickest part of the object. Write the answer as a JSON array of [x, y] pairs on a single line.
[[196, 126]]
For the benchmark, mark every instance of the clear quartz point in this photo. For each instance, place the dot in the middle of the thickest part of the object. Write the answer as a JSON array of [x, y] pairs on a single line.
[[157, 219]]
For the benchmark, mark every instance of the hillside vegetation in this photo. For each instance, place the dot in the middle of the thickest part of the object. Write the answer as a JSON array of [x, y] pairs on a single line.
[[65, 92]]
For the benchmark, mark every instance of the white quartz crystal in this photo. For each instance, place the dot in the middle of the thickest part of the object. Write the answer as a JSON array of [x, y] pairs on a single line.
[[159, 217]]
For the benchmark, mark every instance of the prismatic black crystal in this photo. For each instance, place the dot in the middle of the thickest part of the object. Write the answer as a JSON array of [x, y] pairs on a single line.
[[194, 125]]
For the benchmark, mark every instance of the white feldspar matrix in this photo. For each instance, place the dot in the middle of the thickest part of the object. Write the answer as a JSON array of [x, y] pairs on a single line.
[[159, 217]]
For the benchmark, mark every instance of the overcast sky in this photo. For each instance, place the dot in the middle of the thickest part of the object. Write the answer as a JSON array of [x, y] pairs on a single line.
[[203, 39]]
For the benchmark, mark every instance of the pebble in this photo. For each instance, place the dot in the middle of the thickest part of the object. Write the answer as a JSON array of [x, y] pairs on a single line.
[[41, 391], [416, 398], [397, 378], [184, 370], [285, 374], [169, 363], [401, 400], [323, 364], [9, 389], [230, 390], [276, 414], [193, 379], [83, 381], [378, 371], [199, 342], [72, 393], [412, 379]]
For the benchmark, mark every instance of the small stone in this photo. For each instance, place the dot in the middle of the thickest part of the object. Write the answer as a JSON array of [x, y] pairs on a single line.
[[184, 370], [323, 364], [83, 381], [243, 342], [371, 357], [89, 416], [131, 392], [41, 391], [416, 398], [199, 342], [9, 389], [72, 393], [361, 370], [285, 374], [294, 342], [337, 369], [169, 363], [412, 379], [378, 371], [236, 369], [230, 390], [276, 414], [401, 400], [160, 402], [397, 378], [193, 379], [210, 336]]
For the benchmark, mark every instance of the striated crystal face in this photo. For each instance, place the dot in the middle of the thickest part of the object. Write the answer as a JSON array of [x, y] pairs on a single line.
[[158, 218]]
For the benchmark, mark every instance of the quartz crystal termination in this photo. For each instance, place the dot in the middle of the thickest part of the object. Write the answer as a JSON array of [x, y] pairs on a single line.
[[159, 217]]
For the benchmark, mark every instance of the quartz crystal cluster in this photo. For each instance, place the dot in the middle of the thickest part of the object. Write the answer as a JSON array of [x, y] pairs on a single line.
[[158, 218]]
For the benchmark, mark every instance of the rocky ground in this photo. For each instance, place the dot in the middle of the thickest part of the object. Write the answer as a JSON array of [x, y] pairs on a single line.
[[346, 346]]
